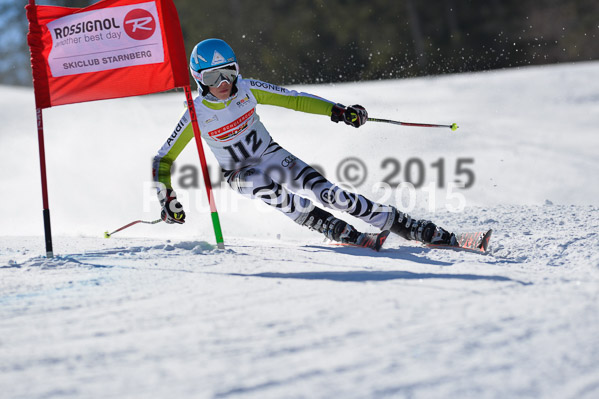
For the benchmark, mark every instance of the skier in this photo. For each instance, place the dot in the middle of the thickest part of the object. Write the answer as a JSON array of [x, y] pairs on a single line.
[[257, 167]]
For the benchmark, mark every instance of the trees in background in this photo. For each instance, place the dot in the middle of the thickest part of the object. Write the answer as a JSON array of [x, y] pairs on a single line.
[[309, 41], [15, 66]]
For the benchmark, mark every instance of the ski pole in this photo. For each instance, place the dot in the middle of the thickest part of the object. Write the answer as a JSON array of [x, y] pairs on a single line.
[[453, 126], [107, 234]]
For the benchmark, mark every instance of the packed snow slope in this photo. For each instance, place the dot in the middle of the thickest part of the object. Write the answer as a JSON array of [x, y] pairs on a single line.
[[157, 312], [526, 136]]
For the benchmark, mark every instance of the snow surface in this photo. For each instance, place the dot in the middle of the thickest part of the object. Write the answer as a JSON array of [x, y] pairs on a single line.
[[157, 312]]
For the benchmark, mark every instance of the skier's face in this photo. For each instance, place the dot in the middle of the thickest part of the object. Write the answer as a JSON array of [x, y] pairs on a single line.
[[223, 91]]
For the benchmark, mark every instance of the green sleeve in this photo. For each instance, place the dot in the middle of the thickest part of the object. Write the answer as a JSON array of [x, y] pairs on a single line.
[[297, 101], [169, 152]]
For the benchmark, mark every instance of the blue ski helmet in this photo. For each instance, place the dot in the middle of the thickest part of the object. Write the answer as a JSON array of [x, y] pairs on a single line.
[[209, 53]]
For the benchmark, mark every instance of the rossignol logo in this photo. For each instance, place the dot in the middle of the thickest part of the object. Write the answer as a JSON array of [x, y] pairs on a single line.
[[139, 24], [96, 25], [105, 39]]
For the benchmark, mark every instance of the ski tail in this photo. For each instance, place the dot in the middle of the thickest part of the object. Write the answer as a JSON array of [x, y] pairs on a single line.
[[475, 241]]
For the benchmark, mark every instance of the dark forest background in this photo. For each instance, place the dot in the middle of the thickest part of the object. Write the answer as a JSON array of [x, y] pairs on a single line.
[[308, 41]]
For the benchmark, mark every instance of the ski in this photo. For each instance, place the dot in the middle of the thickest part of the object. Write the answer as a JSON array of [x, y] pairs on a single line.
[[372, 241], [473, 242]]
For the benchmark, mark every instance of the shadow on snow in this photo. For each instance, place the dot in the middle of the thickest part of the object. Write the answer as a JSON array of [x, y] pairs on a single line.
[[363, 276]]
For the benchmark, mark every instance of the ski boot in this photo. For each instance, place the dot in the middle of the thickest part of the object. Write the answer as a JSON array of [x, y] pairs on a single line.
[[337, 230], [424, 231]]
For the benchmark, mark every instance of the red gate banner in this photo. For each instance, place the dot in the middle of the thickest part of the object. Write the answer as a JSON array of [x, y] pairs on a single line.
[[114, 48]]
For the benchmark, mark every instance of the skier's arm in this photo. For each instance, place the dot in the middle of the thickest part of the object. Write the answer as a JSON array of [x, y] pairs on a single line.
[[270, 94], [172, 211], [163, 161]]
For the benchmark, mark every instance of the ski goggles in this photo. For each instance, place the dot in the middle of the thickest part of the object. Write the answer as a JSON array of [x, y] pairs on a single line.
[[214, 77]]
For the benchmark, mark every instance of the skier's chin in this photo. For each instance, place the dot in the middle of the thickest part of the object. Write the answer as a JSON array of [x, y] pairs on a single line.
[[223, 92]]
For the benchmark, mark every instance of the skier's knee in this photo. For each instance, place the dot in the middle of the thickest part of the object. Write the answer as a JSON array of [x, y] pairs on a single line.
[[252, 182]]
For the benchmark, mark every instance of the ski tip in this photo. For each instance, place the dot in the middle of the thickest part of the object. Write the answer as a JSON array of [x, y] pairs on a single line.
[[485, 240], [106, 234]]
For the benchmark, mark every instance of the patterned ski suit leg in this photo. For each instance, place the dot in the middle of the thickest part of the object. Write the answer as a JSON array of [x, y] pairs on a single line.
[[286, 182]]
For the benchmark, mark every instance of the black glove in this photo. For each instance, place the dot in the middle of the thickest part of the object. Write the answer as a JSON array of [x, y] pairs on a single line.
[[172, 210], [355, 115]]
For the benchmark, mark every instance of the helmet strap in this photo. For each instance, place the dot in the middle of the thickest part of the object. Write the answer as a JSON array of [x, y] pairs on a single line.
[[205, 89], [234, 90]]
